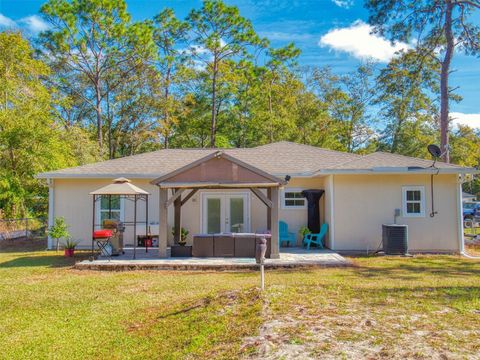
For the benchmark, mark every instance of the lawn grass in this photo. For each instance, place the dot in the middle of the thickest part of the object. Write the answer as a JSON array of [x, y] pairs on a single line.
[[421, 307], [473, 249], [390, 307]]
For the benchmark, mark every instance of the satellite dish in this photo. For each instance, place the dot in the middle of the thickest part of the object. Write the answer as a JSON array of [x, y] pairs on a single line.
[[434, 150]]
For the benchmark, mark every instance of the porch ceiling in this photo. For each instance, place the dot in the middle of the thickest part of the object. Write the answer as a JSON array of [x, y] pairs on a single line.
[[216, 185]]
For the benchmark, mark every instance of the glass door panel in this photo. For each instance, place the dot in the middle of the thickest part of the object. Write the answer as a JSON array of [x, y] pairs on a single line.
[[236, 221], [214, 215]]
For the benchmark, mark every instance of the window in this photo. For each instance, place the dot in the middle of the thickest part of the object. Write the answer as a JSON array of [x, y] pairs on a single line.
[[117, 208], [293, 199], [413, 201]]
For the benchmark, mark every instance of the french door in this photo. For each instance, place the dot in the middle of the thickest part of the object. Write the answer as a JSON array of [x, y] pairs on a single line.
[[225, 212]]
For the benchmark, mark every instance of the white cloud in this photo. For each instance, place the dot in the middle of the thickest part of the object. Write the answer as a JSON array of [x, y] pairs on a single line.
[[358, 40], [472, 120], [195, 50], [346, 4], [285, 36], [34, 23], [6, 22]]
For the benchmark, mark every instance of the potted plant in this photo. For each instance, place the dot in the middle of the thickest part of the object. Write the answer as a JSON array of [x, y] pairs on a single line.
[[59, 230], [69, 247], [183, 236], [304, 231]]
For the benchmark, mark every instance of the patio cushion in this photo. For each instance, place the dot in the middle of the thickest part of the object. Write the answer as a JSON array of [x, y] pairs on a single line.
[[202, 246], [102, 234], [228, 245], [245, 245], [223, 245]]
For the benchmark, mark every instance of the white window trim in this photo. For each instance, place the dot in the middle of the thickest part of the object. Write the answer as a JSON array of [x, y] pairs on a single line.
[[282, 199], [98, 212], [422, 201]]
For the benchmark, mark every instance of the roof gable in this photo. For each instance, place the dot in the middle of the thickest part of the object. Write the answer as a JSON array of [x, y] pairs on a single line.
[[216, 169]]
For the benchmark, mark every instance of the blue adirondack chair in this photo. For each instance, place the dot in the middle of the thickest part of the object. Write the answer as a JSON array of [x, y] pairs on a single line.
[[285, 235], [316, 239]]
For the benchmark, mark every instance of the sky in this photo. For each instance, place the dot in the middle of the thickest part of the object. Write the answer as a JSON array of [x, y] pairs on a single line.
[[328, 32]]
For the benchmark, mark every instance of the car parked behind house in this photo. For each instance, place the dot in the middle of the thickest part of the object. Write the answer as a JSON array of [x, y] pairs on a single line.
[[469, 209]]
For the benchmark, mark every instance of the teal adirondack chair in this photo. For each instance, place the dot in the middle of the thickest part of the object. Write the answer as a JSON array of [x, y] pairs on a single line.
[[316, 238], [285, 235]]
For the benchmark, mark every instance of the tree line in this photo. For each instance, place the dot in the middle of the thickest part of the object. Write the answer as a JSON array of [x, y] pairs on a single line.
[[98, 85]]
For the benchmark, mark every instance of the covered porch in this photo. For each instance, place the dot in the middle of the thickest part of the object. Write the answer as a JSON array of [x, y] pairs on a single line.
[[217, 172]]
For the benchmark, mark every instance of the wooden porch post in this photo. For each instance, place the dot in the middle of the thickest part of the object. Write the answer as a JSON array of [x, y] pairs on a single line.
[[163, 224], [269, 210], [177, 204], [274, 224]]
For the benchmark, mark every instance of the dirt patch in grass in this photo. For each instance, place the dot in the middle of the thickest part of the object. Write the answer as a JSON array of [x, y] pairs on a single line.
[[427, 307], [359, 335]]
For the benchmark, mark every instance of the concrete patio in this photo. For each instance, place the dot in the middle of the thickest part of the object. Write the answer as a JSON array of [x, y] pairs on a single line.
[[289, 258]]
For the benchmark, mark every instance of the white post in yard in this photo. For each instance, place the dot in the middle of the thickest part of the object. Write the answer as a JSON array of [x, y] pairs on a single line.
[[262, 275], [260, 250]]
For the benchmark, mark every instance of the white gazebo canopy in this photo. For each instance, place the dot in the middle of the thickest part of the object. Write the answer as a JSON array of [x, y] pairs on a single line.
[[120, 186]]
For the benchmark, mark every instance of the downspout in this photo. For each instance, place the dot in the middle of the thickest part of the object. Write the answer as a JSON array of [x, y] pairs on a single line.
[[461, 246], [51, 209], [331, 228]]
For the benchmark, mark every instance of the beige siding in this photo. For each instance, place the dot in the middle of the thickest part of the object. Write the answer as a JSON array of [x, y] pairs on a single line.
[[72, 201], [364, 202]]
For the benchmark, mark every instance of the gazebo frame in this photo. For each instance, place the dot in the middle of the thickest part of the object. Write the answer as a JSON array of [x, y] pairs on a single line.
[[132, 193]]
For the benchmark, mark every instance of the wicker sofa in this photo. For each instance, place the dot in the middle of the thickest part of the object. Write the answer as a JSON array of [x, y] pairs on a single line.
[[228, 245]]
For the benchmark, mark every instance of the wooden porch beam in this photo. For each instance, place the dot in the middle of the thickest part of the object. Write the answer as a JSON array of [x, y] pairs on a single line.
[[262, 197], [177, 220], [274, 225], [174, 197], [269, 210], [215, 185], [162, 224], [190, 194]]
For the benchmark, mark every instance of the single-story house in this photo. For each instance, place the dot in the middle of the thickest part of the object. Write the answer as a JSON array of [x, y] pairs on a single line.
[[249, 189]]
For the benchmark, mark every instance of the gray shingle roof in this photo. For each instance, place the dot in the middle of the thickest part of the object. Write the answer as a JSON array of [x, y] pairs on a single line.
[[279, 159], [382, 159], [284, 158]]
